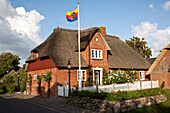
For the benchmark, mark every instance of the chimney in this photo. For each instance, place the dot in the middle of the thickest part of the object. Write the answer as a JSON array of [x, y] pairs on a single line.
[[82, 27], [103, 30], [90, 24]]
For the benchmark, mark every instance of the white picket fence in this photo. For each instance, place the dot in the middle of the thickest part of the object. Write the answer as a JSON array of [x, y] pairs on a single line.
[[137, 85]]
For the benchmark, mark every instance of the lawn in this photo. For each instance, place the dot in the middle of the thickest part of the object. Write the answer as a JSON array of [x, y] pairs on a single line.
[[163, 107]]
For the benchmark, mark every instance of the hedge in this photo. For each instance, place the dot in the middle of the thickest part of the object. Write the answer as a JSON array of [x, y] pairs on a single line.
[[120, 95]]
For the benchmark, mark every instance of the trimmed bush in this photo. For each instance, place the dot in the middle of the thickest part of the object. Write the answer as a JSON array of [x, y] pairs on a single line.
[[120, 95]]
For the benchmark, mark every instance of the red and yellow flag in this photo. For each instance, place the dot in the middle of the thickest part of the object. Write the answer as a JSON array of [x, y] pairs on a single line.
[[72, 16]]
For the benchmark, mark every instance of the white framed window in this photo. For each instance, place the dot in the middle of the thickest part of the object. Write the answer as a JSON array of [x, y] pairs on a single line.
[[142, 75], [96, 54], [83, 75], [110, 71], [35, 77]]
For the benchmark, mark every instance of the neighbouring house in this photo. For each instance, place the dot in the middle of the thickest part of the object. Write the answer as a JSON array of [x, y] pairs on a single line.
[[99, 50], [160, 69]]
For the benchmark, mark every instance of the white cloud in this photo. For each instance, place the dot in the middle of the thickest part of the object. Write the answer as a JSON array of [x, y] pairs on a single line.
[[151, 6], [166, 6], [156, 38], [19, 29]]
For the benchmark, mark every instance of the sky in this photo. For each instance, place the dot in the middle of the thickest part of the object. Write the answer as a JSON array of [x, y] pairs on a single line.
[[24, 24]]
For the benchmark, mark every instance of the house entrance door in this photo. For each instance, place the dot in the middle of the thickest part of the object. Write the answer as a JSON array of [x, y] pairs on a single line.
[[97, 77]]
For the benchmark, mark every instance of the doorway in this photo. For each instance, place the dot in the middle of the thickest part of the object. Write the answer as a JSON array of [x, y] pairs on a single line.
[[97, 76]]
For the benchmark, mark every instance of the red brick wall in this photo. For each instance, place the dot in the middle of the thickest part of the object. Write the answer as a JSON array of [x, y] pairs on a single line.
[[59, 77], [161, 71], [44, 88], [100, 63]]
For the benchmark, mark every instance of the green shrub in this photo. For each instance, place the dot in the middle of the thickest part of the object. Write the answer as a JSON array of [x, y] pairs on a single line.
[[120, 95], [39, 84], [89, 81], [22, 80], [10, 83]]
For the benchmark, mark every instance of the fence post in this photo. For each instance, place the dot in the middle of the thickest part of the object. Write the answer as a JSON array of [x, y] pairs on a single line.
[[128, 86], [140, 84], [113, 87], [151, 84]]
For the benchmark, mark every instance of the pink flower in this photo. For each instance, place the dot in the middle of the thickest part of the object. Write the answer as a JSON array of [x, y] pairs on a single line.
[[115, 92], [163, 81]]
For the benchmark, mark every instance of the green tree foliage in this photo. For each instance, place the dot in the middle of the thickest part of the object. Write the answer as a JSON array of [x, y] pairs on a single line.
[[47, 78], [39, 84], [8, 62], [30, 83], [140, 45], [89, 81], [15, 82], [105, 79], [22, 80], [10, 83]]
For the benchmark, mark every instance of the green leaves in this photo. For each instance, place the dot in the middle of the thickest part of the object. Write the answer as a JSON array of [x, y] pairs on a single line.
[[47, 76], [140, 45], [120, 95], [8, 62], [121, 77]]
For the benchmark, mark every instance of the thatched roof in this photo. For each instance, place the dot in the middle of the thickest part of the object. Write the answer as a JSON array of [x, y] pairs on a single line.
[[151, 60], [123, 56], [61, 45], [158, 59]]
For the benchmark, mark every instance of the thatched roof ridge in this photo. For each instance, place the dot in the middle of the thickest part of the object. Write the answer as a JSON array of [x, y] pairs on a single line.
[[123, 56]]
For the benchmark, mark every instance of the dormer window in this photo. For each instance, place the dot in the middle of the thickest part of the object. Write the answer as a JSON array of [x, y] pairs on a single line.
[[96, 54]]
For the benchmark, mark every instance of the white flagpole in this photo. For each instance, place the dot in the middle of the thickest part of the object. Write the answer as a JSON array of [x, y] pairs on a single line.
[[79, 48]]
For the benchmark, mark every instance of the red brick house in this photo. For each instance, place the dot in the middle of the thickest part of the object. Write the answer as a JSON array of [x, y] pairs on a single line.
[[98, 49], [160, 69]]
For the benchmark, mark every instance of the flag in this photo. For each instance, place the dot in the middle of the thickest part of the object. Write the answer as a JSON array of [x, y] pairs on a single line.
[[72, 16]]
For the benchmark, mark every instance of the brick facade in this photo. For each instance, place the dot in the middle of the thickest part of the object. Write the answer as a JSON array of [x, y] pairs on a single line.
[[161, 70], [60, 76]]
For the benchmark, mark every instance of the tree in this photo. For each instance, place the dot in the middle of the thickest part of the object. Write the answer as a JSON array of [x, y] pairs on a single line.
[[8, 62], [140, 45]]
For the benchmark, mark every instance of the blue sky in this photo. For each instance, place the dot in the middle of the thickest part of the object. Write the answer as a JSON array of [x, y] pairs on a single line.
[[127, 18], [116, 15]]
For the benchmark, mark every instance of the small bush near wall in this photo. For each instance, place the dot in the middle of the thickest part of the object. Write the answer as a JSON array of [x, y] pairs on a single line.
[[120, 95]]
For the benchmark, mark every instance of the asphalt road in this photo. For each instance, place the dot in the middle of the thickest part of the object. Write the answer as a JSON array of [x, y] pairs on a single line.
[[12, 105]]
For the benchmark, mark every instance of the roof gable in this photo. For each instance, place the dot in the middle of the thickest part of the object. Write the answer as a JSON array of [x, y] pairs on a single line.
[[158, 59]]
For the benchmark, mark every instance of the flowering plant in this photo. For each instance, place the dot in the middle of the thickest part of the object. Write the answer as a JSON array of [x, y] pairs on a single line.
[[163, 85]]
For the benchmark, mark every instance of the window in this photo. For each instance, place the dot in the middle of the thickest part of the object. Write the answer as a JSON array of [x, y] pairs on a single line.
[[92, 53], [110, 71], [96, 54], [142, 75], [83, 73], [35, 77]]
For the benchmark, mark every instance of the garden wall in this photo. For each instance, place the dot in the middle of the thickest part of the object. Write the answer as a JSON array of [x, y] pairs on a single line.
[[116, 107]]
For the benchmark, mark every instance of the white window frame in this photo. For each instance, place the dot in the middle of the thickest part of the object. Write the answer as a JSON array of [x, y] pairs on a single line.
[[95, 54], [35, 77], [142, 75], [82, 77]]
